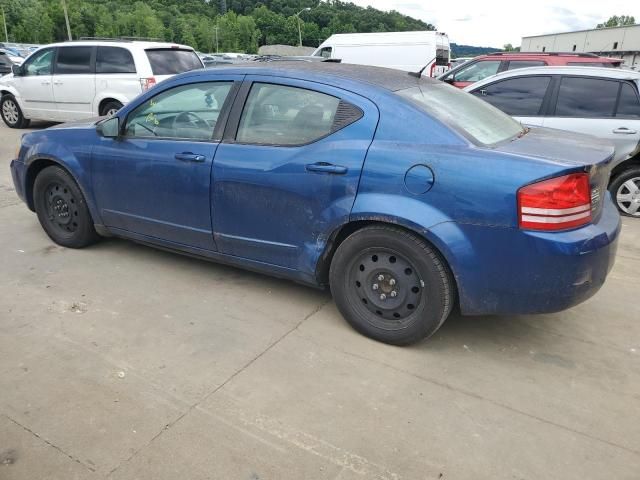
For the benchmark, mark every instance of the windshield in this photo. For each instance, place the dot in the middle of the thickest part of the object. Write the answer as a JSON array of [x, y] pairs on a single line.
[[171, 61], [462, 111]]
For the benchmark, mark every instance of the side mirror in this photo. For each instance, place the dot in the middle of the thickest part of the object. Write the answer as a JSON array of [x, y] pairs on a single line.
[[16, 70], [109, 128]]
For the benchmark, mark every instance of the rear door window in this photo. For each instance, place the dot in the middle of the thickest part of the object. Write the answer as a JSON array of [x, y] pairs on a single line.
[[586, 97], [514, 64], [114, 60], [629, 104], [522, 96], [284, 115], [74, 60], [171, 61], [477, 71]]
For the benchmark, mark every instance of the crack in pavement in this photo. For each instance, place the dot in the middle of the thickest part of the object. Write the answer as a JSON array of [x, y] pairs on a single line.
[[477, 396], [216, 389], [71, 457]]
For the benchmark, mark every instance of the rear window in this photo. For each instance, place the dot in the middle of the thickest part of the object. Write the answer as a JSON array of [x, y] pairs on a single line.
[[170, 61], [464, 112]]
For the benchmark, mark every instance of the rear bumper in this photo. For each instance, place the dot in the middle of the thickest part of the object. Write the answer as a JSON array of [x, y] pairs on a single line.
[[18, 174], [511, 271]]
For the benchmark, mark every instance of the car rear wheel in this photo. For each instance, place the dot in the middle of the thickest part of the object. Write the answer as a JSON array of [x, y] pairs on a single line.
[[390, 285], [625, 190], [62, 209], [11, 113], [110, 108]]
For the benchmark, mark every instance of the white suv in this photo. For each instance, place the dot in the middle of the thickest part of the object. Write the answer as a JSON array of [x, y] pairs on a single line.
[[80, 79], [604, 102]]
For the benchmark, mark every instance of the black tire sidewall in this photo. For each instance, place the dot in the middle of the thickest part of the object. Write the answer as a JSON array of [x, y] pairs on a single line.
[[617, 181], [109, 105], [437, 291], [85, 234], [21, 122]]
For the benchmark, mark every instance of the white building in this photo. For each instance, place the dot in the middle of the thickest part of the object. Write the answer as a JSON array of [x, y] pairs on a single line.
[[619, 42]]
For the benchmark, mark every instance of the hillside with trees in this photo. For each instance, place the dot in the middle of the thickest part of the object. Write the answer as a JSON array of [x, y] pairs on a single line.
[[239, 25]]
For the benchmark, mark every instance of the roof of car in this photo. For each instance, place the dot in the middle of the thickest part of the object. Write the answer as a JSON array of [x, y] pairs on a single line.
[[602, 72], [144, 44], [386, 78]]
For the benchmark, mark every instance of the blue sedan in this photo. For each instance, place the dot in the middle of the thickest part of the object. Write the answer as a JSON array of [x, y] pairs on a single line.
[[405, 195]]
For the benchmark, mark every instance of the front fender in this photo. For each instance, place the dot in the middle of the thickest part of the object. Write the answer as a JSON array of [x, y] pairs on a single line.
[[73, 156], [9, 89]]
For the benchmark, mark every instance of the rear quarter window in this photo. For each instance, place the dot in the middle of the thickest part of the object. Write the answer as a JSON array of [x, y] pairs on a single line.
[[171, 61]]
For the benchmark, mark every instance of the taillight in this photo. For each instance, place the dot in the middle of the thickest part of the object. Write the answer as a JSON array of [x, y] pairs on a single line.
[[432, 71], [555, 204], [147, 83]]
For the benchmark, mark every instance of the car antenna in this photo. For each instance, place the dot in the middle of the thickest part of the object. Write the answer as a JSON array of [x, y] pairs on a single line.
[[418, 74]]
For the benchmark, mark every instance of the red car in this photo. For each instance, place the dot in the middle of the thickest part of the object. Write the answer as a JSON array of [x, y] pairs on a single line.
[[486, 65]]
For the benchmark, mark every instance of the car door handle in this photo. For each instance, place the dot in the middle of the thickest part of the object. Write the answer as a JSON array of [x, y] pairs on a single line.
[[57, 82], [190, 157], [46, 82], [625, 131], [324, 167]]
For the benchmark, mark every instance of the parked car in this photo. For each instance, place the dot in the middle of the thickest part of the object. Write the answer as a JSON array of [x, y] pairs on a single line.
[[487, 65], [74, 80], [597, 101], [307, 171], [456, 62], [12, 56], [408, 51], [6, 63]]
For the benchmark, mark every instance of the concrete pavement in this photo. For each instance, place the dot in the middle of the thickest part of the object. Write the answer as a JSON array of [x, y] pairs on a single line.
[[124, 362]]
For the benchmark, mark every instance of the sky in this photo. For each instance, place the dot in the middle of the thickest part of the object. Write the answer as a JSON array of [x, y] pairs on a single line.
[[492, 23]]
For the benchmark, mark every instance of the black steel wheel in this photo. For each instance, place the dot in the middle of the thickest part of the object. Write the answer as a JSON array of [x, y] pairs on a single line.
[[62, 210], [390, 285]]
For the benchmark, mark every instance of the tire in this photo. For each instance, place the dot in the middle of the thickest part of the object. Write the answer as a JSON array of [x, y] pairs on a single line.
[[625, 191], [110, 108], [12, 114], [62, 209], [416, 283]]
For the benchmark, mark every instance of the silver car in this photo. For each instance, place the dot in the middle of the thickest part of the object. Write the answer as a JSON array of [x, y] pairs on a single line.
[[604, 102]]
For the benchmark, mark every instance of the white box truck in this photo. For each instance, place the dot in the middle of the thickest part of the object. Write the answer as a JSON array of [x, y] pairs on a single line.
[[408, 51]]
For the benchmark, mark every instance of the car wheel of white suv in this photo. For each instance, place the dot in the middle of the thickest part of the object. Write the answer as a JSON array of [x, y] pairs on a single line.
[[11, 113], [625, 190]]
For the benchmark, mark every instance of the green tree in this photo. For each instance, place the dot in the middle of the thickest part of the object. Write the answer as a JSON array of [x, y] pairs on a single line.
[[244, 25], [617, 21]]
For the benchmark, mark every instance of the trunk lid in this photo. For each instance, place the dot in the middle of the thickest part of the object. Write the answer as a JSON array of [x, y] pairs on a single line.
[[571, 152]]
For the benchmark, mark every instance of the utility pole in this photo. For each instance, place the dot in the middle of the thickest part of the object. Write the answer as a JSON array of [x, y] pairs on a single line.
[[299, 29], [215, 29], [4, 20], [66, 18]]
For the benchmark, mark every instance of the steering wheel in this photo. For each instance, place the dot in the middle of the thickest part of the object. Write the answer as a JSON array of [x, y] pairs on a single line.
[[189, 119]]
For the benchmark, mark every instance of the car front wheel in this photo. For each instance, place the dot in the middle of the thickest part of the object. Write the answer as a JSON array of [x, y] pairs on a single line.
[[390, 285], [625, 190], [62, 209], [11, 113]]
